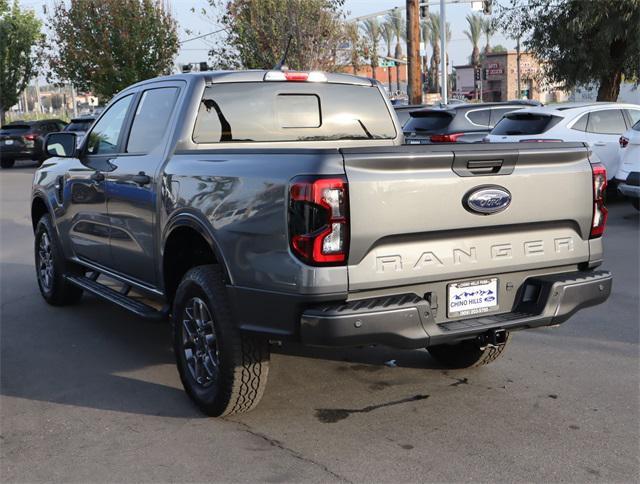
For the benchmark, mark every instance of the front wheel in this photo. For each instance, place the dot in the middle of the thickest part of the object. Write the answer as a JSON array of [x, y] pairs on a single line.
[[51, 266], [467, 353], [6, 162], [222, 369]]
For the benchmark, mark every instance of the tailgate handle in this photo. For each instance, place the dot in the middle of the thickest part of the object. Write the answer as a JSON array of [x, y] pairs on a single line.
[[484, 166]]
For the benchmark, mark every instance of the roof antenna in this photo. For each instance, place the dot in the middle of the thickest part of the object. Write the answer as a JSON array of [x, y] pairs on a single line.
[[281, 66]]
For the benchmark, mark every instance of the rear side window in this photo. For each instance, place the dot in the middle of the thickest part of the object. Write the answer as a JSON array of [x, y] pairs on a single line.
[[286, 111], [636, 127], [151, 119], [581, 124], [480, 117], [608, 121], [428, 121], [525, 123]]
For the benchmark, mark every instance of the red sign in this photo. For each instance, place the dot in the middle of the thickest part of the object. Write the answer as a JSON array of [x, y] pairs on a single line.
[[493, 72]]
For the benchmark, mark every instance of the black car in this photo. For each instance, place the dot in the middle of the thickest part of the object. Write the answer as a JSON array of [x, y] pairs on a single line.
[[23, 140], [80, 125], [461, 123]]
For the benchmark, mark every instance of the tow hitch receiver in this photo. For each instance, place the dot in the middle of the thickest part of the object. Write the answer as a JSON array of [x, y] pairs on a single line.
[[493, 337]]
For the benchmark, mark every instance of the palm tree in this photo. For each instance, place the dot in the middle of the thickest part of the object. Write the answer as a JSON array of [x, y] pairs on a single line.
[[434, 22], [489, 28], [476, 27], [425, 33], [387, 36], [399, 25], [372, 30], [353, 35]]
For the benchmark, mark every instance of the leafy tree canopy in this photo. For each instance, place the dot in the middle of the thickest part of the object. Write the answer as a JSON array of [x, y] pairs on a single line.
[[19, 34], [580, 41], [105, 45], [257, 33]]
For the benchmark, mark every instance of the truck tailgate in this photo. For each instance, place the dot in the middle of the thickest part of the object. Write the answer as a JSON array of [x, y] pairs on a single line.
[[410, 223]]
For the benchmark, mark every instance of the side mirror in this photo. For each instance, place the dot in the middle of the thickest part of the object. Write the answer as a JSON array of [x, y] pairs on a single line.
[[60, 144]]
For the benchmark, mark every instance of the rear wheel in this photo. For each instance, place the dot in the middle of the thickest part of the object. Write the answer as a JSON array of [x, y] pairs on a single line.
[[7, 162], [467, 354], [51, 267], [222, 369]]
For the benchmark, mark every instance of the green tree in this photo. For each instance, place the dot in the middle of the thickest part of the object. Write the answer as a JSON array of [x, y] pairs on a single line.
[[399, 26], [498, 48], [474, 34], [373, 32], [387, 36], [19, 35], [580, 41], [104, 46], [257, 33]]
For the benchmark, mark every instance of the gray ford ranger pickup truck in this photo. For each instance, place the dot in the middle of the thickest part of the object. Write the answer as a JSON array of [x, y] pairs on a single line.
[[260, 206]]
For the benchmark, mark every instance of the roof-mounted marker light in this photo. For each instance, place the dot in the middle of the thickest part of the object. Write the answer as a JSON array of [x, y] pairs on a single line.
[[295, 76]]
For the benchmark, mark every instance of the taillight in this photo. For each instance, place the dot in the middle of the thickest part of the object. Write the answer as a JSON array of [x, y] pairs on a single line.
[[30, 137], [623, 142], [600, 212], [295, 76], [445, 138], [318, 222]]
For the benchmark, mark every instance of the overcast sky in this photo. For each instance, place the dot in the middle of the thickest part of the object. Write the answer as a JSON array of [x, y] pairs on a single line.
[[197, 23]]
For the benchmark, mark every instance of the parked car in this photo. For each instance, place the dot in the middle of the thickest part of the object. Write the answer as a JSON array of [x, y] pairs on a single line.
[[628, 176], [460, 122], [404, 110], [80, 126], [256, 206], [597, 124], [22, 140]]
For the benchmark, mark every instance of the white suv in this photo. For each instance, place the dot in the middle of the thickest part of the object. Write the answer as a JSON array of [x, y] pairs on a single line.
[[597, 124], [628, 175]]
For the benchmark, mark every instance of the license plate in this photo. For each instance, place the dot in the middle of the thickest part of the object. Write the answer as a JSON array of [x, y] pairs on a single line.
[[472, 297], [8, 142]]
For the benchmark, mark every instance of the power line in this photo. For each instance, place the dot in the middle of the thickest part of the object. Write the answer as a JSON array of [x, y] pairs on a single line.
[[202, 36]]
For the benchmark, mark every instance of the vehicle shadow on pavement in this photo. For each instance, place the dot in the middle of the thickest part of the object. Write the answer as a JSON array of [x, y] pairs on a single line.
[[374, 356], [90, 355]]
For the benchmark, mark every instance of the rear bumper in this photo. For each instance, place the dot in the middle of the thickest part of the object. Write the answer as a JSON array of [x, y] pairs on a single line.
[[631, 191], [406, 321], [17, 154]]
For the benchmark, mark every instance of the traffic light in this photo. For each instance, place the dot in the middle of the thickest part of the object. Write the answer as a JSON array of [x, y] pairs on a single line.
[[476, 73], [424, 11], [486, 6]]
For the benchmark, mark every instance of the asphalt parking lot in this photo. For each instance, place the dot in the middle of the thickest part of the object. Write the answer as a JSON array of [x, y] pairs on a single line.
[[91, 394]]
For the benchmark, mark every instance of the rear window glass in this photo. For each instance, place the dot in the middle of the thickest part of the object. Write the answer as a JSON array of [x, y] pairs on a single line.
[[15, 127], [519, 124], [286, 111], [428, 121], [79, 125]]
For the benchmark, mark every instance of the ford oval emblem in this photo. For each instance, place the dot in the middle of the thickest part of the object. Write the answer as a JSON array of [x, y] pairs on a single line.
[[487, 200]]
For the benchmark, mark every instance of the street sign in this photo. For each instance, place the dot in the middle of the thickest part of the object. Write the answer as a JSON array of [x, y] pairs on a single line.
[[387, 63]]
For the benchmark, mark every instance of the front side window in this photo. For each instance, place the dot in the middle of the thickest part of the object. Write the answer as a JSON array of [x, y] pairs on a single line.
[[151, 119], [103, 139], [287, 111], [608, 121]]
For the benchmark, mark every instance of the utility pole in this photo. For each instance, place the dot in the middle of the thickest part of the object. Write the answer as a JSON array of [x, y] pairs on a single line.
[[414, 88], [518, 67], [443, 49]]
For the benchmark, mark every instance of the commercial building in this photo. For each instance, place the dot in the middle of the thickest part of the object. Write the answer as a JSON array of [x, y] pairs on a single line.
[[499, 79]]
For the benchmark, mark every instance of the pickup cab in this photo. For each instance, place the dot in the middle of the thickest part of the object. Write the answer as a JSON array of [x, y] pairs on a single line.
[[260, 206]]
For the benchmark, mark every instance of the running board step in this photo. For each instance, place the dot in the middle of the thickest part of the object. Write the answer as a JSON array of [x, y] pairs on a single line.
[[116, 297]]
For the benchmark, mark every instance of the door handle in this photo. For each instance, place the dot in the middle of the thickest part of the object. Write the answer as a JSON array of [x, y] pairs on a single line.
[[141, 178], [97, 176], [600, 143]]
